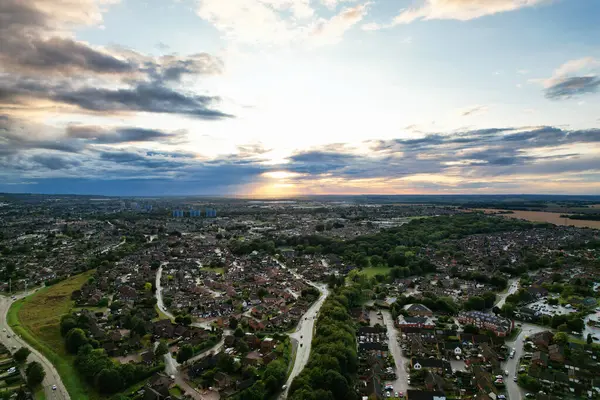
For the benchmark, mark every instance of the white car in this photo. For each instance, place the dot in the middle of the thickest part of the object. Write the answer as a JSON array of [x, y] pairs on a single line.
[[53, 387]]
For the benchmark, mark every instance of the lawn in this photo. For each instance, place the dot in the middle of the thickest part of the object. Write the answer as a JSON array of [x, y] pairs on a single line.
[[372, 271], [37, 318]]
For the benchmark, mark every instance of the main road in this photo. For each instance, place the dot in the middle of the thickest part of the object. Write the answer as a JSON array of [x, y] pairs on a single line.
[[303, 336], [14, 342]]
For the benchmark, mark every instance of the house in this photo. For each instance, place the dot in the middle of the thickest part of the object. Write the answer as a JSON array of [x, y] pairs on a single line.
[[556, 353], [433, 364], [414, 322], [148, 357], [424, 395], [222, 380], [540, 358], [498, 325], [542, 339], [418, 310], [253, 358], [267, 345]]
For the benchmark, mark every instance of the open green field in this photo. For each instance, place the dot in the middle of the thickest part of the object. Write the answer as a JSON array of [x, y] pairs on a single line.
[[372, 271], [37, 318], [215, 270]]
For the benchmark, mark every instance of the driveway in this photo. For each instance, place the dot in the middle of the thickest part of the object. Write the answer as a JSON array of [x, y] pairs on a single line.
[[52, 377], [401, 382]]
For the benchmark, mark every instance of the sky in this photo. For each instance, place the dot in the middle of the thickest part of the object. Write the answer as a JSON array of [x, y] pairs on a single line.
[[278, 98]]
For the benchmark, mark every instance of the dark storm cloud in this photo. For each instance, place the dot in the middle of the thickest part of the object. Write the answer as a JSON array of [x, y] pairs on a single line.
[[572, 87]]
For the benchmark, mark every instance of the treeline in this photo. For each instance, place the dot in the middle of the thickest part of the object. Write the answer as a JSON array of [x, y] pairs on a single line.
[[92, 362], [333, 360], [390, 246], [584, 217]]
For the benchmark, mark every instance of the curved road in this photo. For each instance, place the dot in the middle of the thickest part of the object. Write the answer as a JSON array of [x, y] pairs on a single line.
[[52, 376], [303, 335]]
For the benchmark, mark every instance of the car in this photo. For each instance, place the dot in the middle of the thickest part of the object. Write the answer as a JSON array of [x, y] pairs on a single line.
[[501, 397], [53, 387], [389, 394], [529, 395], [400, 394], [515, 378], [301, 344], [8, 336], [284, 387], [505, 372]]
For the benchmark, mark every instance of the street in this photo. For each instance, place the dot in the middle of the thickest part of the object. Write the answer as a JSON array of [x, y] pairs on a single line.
[[14, 343], [159, 299], [401, 382], [303, 336], [513, 286], [512, 364]]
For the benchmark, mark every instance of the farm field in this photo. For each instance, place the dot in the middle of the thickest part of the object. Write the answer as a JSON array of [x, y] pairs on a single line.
[[37, 318], [542, 216]]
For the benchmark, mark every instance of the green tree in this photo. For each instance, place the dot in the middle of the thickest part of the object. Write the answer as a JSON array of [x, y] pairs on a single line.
[[35, 373], [161, 349], [75, 339], [185, 353], [239, 333], [67, 323], [233, 323], [560, 338], [109, 380], [21, 355], [590, 340], [148, 286]]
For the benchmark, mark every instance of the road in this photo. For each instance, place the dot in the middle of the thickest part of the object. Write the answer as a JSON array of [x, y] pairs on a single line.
[[52, 377], [303, 335], [512, 364], [513, 286], [159, 298], [401, 382]]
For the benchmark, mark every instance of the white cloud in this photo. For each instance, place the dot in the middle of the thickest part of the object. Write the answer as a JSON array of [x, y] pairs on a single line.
[[331, 31], [582, 67], [279, 22], [462, 10]]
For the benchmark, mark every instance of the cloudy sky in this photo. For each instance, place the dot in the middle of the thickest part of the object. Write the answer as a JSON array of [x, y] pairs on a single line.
[[285, 97]]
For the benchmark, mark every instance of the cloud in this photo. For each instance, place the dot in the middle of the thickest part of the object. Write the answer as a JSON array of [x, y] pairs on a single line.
[[327, 32], [494, 159], [100, 135], [153, 97], [55, 162], [572, 79], [473, 110], [279, 22], [462, 10], [572, 87], [43, 63]]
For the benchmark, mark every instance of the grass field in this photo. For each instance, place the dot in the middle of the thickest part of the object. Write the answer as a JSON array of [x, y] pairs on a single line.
[[37, 318], [215, 270], [543, 216], [372, 271]]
